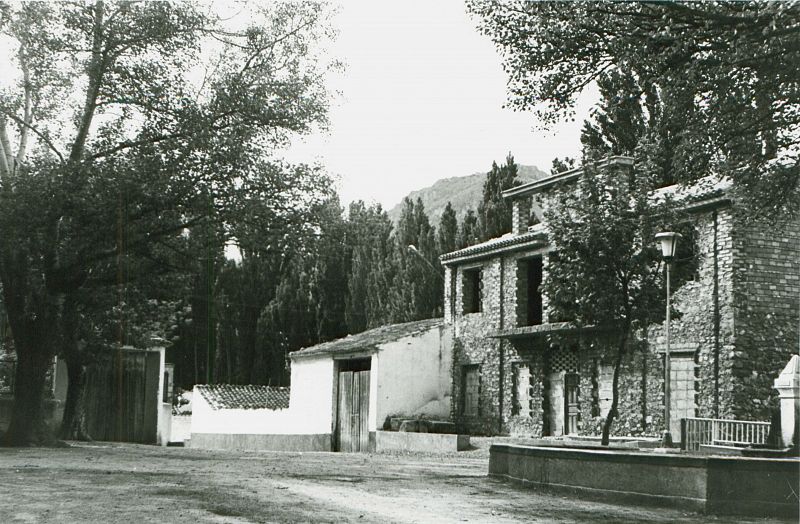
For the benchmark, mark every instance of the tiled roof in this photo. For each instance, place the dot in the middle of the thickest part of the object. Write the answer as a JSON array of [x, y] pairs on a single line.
[[564, 176], [228, 396], [707, 189], [701, 189], [506, 241], [369, 340]]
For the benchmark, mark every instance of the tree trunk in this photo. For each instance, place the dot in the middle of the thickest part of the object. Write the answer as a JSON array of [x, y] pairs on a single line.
[[74, 422], [612, 413], [74, 425], [248, 369], [28, 426]]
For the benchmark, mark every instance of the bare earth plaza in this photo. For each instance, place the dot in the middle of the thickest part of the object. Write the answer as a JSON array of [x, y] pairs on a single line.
[[247, 276]]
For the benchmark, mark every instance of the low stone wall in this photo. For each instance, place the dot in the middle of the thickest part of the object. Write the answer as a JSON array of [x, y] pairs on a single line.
[[419, 442], [261, 442], [750, 486]]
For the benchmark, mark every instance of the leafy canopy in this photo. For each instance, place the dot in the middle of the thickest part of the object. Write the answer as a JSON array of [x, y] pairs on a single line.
[[725, 72]]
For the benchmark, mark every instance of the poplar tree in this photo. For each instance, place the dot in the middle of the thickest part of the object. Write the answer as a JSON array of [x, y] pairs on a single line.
[[494, 211], [468, 232], [447, 233]]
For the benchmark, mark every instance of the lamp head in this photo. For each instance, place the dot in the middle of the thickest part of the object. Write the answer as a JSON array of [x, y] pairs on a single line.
[[669, 244]]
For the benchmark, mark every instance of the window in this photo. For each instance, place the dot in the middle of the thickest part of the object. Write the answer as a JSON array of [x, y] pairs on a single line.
[[559, 309], [472, 290], [685, 266], [529, 294], [470, 390]]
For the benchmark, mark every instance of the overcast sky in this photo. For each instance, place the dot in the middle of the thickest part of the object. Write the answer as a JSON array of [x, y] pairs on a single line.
[[422, 99]]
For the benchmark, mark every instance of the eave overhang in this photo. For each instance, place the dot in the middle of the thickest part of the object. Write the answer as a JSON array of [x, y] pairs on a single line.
[[531, 240], [543, 330]]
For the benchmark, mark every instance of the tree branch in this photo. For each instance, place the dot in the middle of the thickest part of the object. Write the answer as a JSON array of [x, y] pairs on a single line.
[[95, 70], [38, 133], [27, 115]]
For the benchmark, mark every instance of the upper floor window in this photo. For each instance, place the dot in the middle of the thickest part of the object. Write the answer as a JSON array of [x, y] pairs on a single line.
[[472, 290], [529, 293], [559, 308], [685, 265]]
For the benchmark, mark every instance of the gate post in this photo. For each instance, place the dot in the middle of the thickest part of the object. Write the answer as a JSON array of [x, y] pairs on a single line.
[[788, 386]]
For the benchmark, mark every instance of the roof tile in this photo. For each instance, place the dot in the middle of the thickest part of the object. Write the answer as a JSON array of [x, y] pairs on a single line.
[[229, 396], [369, 340]]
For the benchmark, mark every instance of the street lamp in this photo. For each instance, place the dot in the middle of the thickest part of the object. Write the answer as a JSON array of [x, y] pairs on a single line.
[[413, 249], [669, 242]]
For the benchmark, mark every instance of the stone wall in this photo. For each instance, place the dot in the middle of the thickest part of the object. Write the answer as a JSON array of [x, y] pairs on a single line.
[[641, 393], [472, 347], [766, 261], [496, 357], [702, 322]]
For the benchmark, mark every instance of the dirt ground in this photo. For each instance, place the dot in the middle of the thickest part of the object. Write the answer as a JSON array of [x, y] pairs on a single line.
[[104, 482]]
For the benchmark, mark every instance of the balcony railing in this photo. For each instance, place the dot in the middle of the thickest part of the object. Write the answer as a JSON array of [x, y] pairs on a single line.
[[698, 431]]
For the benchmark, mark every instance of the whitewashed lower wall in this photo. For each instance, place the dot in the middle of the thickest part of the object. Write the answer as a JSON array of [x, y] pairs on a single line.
[[309, 413], [413, 376], [237, 421], [311, 399]]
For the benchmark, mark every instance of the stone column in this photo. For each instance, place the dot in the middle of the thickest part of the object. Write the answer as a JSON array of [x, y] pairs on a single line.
[[520, 214], [449, 295], [788, 386]]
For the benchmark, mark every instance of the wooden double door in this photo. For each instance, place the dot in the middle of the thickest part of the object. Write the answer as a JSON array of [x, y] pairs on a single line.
[[352, 428]]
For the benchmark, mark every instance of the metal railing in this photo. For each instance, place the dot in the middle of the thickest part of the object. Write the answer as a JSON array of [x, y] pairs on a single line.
[[698, 431]]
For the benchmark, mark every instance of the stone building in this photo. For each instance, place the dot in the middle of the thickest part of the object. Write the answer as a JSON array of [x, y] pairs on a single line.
[[518, 370]]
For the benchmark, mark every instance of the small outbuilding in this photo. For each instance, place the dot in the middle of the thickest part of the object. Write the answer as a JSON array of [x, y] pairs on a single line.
[[361, 380], [342, 392]]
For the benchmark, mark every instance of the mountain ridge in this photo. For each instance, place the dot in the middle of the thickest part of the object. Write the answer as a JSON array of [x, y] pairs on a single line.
[[463, 192]]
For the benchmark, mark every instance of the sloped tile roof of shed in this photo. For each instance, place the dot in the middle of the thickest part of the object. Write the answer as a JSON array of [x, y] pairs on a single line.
[[228, 396], [369, 340]]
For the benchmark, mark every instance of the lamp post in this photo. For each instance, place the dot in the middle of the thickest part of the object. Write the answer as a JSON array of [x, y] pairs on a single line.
[[669, 242], [413, 249]]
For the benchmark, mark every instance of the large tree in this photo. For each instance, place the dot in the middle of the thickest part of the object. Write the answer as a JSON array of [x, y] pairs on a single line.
[[726, 73], [373, 266], [605, 274], [417, 288], [468, 231], [447, 234], [123, 125]]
